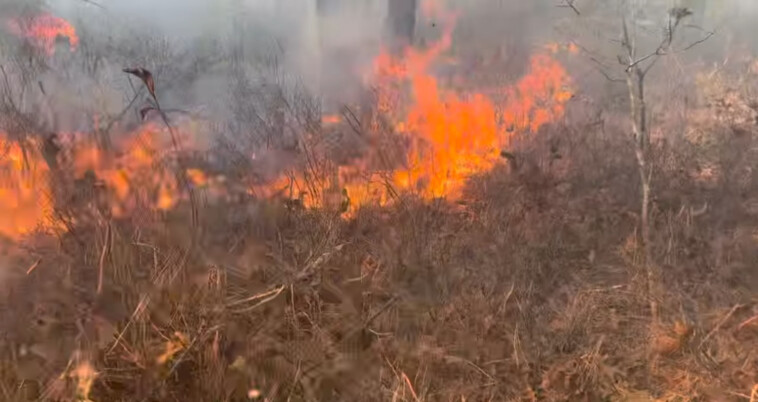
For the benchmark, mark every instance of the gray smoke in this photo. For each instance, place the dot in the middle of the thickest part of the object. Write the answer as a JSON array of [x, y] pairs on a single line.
[[212, 56]]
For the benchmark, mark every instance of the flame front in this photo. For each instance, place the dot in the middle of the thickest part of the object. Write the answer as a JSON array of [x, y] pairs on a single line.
[[447, 137], [24, 188], [44, 30], [450, 136], [137, 175], [140, 174]]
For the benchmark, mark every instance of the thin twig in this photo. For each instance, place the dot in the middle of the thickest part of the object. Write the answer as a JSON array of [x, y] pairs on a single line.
[[141, 306], [697, 42], [256, 297], [570, 4], [149, 83], [740, 395], [747, 322], [662, 50], [381, 310], [410, 387], [104, 252], [457, 359], [273, 296], [721, 323], [34, 266], [352, 120], [90, 2]]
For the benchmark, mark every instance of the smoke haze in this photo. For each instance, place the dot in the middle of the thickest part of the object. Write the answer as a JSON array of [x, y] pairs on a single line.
[[199, 49]]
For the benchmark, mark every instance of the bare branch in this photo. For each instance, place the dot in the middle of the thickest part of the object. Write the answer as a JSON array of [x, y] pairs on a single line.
[[647, 69], [697, 42], [607, 76], [662, 52], [598, 65], [90, 2], [570, 4], [664, 48], [626, 42]]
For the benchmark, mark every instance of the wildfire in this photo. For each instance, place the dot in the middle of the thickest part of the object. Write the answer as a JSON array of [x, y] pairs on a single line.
[[44, 30], [450, 135], [539, 97], [330, 119], [555, 47], [23, 188], [138, 175], [447, 136]]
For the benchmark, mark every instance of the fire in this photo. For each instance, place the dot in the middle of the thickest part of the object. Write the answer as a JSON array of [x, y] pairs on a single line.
[[197, 177], [456, 136], [330, 119], [447, 137], [451, 136], [539, 97], [24, 188], [555, 47], [44, 30], [138, 175]]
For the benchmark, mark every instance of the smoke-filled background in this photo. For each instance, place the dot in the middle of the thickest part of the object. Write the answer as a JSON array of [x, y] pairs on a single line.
[[326, 47]]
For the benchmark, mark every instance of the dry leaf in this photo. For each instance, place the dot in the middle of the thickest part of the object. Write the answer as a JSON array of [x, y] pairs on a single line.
[[144, 75]]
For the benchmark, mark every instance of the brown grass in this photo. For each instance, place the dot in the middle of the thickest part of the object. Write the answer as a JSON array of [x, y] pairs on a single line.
[[528, 290]]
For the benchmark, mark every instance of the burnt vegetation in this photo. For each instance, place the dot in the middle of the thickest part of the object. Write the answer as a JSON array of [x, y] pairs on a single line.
[[605, 256]]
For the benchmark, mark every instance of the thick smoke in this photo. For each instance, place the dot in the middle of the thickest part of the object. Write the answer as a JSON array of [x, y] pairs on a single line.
[[211, 56]]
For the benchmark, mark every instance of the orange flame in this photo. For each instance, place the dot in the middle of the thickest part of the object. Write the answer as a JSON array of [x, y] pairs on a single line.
[[44, 30], [539, 97], [23, 189], [331, 119], [138, 175], [450, 136]]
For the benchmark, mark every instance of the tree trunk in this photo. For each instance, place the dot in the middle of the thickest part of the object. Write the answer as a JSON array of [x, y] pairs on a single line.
[[638, 113], [401, 21]]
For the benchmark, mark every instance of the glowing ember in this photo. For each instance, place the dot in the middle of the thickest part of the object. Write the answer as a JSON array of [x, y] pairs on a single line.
[[197, 177], [44, 30], [330, 119], [555, 48]]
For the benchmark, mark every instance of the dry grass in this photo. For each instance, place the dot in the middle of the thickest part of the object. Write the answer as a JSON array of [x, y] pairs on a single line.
[[528, 290]]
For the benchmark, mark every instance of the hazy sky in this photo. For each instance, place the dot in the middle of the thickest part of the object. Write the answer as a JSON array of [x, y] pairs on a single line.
[[329, 51]]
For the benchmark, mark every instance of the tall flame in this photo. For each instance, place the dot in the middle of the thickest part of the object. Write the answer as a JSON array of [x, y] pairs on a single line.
[[23, 188], [450, 135], [44, 30]]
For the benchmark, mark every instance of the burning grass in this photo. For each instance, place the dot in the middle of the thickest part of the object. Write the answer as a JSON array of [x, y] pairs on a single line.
[[524, 294], [494, 257], [44, 31], [25, 178]]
